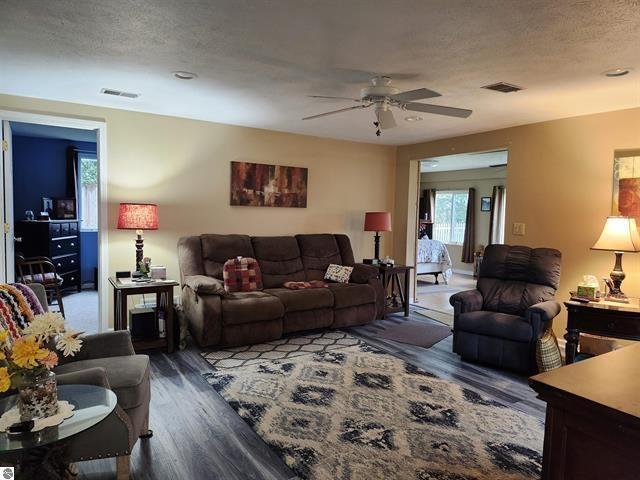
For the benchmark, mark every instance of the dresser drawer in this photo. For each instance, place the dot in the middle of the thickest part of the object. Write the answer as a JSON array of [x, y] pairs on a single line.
[[70, 279], [618, 325], [63, 246], [54, 230], [66, 263]]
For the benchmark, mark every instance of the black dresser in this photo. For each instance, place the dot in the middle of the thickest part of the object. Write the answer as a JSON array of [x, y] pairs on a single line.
[[57, 239]]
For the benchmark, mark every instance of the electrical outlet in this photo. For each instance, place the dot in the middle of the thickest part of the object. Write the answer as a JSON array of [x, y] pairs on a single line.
[[518, 229]]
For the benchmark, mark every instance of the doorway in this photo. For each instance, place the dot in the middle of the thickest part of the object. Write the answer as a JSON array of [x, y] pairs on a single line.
[[54, 212], [461, 209]]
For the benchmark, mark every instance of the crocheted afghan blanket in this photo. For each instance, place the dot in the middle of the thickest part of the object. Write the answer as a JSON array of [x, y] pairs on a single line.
[[18, 305]]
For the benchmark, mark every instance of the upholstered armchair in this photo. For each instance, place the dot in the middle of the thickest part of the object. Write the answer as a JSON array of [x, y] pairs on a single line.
[[108, 360], [499, 322]]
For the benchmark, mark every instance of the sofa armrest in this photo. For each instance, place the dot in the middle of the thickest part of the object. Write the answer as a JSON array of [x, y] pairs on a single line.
[[204, 285], [101, 345], [541, 316], [362, 273], [89, 376], [466, 301]]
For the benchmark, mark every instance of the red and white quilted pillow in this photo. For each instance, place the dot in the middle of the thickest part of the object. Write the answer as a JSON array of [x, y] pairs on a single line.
[[242, 274]]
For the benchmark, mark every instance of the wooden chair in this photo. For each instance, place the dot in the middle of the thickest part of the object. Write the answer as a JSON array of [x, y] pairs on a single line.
[[40, 270]]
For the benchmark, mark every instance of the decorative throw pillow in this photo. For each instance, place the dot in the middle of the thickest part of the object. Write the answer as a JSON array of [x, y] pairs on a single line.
[[242, 274], [548, 352], [338, 273], [303, 285]]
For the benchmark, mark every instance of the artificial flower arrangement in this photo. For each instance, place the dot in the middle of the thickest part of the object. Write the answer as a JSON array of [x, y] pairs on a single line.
[[26, 363]]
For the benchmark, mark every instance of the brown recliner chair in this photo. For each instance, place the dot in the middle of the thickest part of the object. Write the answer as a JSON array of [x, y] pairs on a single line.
[[216, 318], [499, 322], [108, 360]]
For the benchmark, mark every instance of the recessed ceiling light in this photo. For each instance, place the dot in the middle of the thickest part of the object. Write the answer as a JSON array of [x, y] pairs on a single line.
[[413, 118], [182, 75], [616, 72]]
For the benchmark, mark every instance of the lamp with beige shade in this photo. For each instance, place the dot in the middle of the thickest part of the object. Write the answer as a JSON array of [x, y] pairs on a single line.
[[619, 235]]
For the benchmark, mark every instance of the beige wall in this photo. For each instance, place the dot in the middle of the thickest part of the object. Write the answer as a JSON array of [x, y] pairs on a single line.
[[560, 186], [184, 167], [483, 180]]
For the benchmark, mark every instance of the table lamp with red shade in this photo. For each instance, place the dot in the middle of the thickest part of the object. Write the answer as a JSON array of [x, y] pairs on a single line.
[[377, 222], [138, 217]]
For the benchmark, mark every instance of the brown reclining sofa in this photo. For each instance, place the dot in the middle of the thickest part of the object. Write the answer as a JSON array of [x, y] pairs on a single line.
[[217, 318]]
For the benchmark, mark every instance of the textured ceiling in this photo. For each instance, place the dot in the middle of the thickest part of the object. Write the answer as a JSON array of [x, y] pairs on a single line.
[[464, 161], [258, 60]]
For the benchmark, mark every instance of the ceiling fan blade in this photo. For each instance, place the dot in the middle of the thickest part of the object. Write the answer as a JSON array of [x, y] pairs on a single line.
[[335, 98], [336, 111], [386, 119], [411, 95], [437, 109]]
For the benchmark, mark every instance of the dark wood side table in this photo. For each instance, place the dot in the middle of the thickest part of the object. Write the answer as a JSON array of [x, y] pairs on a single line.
[[163, 289], [608, 319], [592, 426], [395, 280]]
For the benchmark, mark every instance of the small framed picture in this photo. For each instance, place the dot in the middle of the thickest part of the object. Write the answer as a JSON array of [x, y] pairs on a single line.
[[47, 205], [485, 204], [64, 208]]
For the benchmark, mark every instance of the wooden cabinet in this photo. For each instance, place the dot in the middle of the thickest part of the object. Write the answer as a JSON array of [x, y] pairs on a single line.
[[57, 239]]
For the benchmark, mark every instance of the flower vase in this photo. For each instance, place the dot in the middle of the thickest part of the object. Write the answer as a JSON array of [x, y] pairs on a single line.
[[38, 395]]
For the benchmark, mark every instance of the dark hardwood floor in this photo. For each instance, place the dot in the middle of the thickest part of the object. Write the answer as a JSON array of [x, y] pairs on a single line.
[[198, 436]]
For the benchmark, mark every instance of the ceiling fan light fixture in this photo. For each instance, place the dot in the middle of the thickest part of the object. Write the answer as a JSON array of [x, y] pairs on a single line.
[[183, 75], [616, 72], [413, 118]]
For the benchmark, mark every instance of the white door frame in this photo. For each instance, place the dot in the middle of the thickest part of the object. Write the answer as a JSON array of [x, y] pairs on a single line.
[[100, 128]]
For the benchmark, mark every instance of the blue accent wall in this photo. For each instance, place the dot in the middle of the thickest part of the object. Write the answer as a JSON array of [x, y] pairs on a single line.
[[39, 170]]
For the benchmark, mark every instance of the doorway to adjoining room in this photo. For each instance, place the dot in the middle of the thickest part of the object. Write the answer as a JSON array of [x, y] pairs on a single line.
[[55, 215], [461, 209]]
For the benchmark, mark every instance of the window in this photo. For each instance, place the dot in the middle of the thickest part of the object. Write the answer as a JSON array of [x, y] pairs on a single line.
[[450, 216], [88, 191]]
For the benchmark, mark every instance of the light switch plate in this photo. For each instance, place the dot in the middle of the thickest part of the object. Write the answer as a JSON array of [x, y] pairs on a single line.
[[518, 229]]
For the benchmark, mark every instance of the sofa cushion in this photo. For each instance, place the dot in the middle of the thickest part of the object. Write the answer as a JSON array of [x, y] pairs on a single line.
[[127, 376], [352, 294], [318, 252], [495, 324], [304, 299], [512, 278], [279, 259], [217, 249], [249, 307]]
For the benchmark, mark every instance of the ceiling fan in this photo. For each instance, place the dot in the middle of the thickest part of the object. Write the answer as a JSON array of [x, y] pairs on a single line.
[[382, 96]]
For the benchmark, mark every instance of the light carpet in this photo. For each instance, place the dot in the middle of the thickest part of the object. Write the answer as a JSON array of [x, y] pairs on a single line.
[[358, 413]]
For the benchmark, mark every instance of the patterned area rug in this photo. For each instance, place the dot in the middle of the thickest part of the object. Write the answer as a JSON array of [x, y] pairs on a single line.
[[284, 348], [357, 413]]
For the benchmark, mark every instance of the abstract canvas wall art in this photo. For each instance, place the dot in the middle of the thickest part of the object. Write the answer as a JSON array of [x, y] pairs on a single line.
[[260, 185], [626, 185]]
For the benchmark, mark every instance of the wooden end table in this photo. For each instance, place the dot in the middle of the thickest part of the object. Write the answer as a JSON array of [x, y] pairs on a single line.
[[608, 319], [163, 289], [395, 280]]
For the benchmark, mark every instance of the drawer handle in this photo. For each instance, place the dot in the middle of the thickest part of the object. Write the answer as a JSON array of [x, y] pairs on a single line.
[[611, 325], [72, 262], [59, 264], [72, 278], [59, 246], [73, 244]]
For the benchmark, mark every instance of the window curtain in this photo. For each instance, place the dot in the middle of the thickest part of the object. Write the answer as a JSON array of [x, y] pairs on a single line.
[[496, 226], [72, 175], [427, 204], [469, 244]]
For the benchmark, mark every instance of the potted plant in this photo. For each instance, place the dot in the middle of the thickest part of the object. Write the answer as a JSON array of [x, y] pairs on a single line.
[[26, 363]]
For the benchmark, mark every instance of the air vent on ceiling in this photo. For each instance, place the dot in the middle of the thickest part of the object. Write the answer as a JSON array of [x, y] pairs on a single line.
[[118, 93], [503, 87]]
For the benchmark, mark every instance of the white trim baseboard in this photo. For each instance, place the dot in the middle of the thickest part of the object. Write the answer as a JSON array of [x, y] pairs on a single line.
[[462, 272]]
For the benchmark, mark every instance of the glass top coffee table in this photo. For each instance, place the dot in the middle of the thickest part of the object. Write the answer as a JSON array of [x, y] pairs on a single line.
[[92, 405]]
